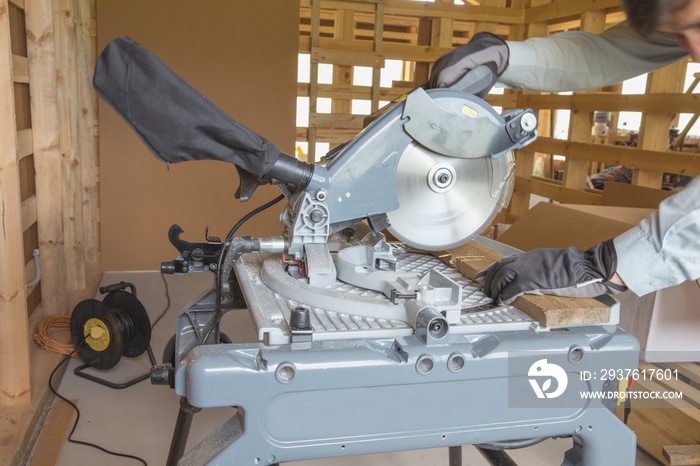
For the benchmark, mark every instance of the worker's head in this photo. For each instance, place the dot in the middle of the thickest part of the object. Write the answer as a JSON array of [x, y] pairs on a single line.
[[679, 17]]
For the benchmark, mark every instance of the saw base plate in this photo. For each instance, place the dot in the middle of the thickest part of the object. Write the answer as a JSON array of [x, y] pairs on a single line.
[[271, 310]]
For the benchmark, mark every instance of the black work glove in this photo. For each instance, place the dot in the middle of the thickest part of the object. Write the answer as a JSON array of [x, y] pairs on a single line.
[[562, 272], [484, 50]]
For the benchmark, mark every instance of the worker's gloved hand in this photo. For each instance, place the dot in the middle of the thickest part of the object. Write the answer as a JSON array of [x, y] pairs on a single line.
[[483, 51], [562, 272]]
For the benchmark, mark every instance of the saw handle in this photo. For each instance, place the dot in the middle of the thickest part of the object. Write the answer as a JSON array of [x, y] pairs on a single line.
[[477, 81]]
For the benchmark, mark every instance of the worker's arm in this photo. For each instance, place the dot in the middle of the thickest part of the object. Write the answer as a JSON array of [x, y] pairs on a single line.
[[571, 61], [664, 249], [661, 251]]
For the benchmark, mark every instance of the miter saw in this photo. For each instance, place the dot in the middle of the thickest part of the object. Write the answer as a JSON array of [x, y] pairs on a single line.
[[366, 345]]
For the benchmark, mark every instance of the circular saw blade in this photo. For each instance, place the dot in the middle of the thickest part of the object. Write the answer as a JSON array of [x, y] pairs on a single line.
[[444, 201]]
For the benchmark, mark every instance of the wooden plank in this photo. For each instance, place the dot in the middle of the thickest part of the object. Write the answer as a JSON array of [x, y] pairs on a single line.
[[346, 57], [506, 101], [525, 158], [14, 344], [332, 135], [18, 3], [654, 128], [647, 103], [682, 455], [690, 370], [564, 8], [25, 145], [352, 92], [551, 311], [28, 212], [671, 162], [674, 422], [378, 47], [435, 10], [313, 78], [690, 393], [20, 67], [344, 27], [47, 156], [68, 101], [576, 170], [424, 53], [339, 121], [492, 25], [493, 14], [86, 116], [54, 433]]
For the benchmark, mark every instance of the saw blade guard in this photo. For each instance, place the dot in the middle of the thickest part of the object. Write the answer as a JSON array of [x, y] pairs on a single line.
[[450, 188]]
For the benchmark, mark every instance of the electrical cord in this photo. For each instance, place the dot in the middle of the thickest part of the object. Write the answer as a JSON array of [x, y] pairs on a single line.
[[217, 309], [47, 328], [167, 297], [77, 418]]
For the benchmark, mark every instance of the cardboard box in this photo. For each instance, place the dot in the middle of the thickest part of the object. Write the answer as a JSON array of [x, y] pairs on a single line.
[[629, 195], [666, 322]]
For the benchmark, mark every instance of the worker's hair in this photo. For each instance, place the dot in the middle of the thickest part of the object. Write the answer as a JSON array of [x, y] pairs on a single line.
[[646, 16]]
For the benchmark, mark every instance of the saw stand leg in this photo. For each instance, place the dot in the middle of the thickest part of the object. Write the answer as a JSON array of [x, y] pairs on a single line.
[[182, 431], [494, 457]]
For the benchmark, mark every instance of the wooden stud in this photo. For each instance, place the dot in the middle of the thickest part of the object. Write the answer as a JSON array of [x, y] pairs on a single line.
[[654, 129], [551, 311], [669, 422], [576, 171], [671, 162], [525, 158], [86, 116], [378, 47], [14, 342], [313, 78], [69, 116], [343, 61], [25, 146], [562, 9], [646, 103], [20, 66], [47, 157], [352, 92], [28, 209], [489, 26]]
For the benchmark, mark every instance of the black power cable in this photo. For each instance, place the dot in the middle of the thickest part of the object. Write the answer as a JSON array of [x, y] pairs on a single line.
[[167, 306], [217, 312], [77, 418]]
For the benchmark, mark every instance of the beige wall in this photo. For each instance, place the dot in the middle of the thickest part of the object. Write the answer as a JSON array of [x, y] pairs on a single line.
[[242, 55]]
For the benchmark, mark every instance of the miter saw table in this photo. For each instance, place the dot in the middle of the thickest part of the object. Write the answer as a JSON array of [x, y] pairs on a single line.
[[353, 381], [366, 345]]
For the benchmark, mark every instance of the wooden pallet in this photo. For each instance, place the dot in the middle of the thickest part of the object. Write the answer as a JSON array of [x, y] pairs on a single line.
[[669, 432]]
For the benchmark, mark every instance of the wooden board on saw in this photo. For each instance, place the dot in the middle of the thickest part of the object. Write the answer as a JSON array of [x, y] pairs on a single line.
[[551, 311]]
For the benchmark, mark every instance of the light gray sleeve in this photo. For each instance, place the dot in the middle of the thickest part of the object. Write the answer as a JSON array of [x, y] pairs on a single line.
[[664, 249], [572, 61]]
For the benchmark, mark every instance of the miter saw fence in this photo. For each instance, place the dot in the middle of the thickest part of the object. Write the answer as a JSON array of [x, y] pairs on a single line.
[[344, 314]]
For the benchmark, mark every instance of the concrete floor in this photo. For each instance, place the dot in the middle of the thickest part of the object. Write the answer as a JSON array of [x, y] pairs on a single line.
[[139, 420]]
